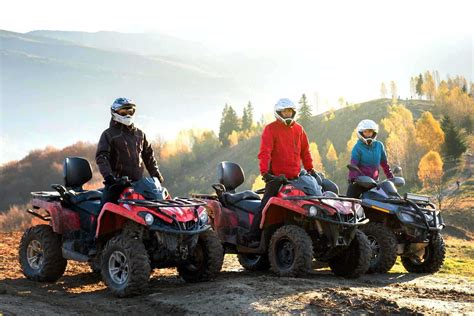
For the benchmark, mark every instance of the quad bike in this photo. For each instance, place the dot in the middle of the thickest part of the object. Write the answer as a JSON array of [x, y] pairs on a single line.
[[146, 229], [296, 227], [407, 226]]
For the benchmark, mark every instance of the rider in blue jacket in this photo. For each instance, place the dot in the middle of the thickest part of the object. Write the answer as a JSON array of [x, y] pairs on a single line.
[[368, 154]]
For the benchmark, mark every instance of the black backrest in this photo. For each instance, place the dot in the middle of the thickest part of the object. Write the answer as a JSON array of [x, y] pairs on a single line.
[[230, 175], [77, 171]]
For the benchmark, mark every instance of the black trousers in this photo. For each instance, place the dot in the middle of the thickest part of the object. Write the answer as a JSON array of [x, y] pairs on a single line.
[[271, 190], [355, 191]]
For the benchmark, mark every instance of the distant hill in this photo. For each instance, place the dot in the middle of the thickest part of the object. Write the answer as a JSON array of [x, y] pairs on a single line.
[[41, 168]]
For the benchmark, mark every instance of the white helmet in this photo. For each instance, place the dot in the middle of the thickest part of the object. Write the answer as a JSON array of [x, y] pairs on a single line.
[[123, 103], [285, 104], [365, 125]]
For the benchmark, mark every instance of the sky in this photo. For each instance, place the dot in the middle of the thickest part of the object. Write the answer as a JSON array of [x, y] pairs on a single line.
[[344, 38]]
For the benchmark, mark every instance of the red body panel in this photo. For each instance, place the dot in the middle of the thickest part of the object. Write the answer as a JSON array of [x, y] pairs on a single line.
[[276, 209], [62, 219]]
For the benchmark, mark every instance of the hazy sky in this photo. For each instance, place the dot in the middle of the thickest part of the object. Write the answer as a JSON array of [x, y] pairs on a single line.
[[245, 24], [356, 44]]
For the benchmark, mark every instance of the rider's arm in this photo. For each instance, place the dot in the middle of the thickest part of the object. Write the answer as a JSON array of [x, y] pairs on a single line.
[[149, 159], [305, 153], [266, 147], [384, 164], [102, 155]]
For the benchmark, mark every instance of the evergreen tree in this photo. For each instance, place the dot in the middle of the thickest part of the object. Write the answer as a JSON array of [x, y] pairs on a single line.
[[455, 143], [229, 123], [304, 112], [419, 86], [247, 118]]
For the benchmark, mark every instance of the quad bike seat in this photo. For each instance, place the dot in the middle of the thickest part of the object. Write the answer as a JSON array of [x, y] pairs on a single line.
[[250, 206], [77, 172], [231, 175]]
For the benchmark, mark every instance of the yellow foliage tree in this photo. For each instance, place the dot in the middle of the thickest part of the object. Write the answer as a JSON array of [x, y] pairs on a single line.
[[258, 183], [317, 162], [331, 154], [233, 138], [429, 134], [400, 143], [428, 87], [430, 170]]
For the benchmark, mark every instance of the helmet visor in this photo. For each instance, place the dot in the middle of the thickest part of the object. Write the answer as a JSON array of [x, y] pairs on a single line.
[[127, 110]]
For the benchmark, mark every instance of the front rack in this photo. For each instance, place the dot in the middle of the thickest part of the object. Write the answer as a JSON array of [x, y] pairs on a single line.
[[321, 197], [176, 202]]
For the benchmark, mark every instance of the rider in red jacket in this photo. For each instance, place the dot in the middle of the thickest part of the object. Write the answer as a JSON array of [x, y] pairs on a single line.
[[283, 147]]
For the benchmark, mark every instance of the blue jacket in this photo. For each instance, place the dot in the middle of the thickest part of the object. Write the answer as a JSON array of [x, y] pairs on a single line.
[[369, 158]]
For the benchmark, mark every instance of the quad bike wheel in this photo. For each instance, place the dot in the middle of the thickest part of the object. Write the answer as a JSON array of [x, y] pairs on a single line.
[[254, 262], [291, 251], [383, 244], [354, 261], [40, 254], [125, 266], [432, 260], [206, 260]]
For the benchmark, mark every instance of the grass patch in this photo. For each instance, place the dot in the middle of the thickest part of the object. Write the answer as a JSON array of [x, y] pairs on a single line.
[[459, 259]]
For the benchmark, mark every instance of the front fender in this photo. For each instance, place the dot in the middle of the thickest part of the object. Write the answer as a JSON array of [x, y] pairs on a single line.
[[113, 217]]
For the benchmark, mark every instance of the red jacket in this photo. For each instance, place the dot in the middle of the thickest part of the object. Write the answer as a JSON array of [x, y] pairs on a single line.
[[283, 148]]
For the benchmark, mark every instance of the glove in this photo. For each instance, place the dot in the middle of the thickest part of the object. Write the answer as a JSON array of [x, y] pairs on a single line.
[[312, 172], [268, 177], [110, 180]]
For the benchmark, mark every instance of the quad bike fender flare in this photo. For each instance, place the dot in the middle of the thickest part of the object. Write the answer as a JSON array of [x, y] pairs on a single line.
[[113, 217], [60, 218]]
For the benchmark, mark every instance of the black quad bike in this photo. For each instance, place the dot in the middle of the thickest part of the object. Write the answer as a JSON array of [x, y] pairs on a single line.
[[144, 229], [298, 225], [408, 226]]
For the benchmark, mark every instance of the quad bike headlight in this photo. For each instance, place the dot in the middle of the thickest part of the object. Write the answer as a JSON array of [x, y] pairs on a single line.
[[203, 217], [313, 211], [359, 211], [149, 219]]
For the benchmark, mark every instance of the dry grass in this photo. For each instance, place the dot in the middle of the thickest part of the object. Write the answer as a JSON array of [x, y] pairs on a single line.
[[16, 219]]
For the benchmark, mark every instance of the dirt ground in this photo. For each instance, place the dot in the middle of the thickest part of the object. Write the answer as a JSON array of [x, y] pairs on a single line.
[[235, 291]]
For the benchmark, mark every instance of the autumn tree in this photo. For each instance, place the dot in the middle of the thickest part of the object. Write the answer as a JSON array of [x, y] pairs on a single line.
[[304, 112], [430, 170], [383, 91], [429, 134], [317, 161], [258, 183], [400, 143], [331, 157], [428, 86], [393, 90]]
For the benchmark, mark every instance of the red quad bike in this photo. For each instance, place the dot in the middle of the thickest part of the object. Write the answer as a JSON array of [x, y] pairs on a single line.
[[295, 227], [145, 230]]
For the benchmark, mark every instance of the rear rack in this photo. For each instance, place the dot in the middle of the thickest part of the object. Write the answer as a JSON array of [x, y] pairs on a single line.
[[177, 202]]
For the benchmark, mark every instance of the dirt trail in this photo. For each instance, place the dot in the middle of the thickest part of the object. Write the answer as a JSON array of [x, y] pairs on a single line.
[[235, 291]]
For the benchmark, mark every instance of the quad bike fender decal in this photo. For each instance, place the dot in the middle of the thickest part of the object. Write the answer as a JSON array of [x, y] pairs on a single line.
[[271, 210], [380, 209], [112, 217]]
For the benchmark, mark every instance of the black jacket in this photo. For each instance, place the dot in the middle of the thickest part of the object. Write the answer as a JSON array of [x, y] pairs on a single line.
[[124, 151]]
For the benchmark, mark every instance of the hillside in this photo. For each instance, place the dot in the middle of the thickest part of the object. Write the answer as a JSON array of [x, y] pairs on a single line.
[[188, 173]]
